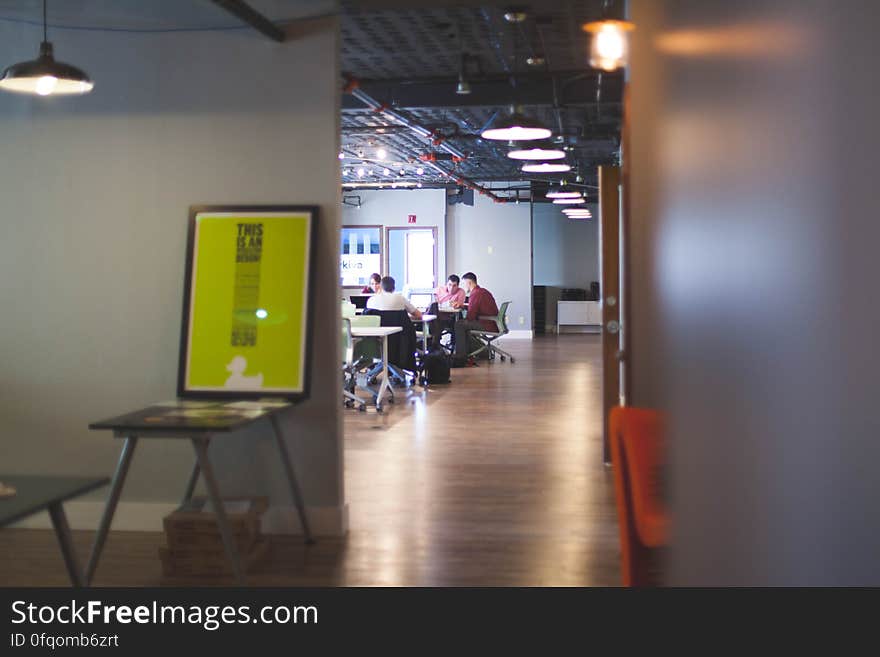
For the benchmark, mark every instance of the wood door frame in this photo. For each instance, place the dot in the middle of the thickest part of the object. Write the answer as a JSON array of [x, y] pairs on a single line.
[[387, 250], [610, 240]]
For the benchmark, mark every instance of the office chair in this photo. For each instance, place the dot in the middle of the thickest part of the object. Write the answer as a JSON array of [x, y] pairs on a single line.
[[357, 357], [402, 346], [637, 454], [487, 338], [349, 377]]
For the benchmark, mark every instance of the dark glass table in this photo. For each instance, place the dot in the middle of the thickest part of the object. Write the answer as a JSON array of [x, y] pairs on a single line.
[[36, 493], [199, 422]]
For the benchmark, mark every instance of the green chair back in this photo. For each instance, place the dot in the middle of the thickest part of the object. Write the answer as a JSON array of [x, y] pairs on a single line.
[[502, 317], [366, 348]]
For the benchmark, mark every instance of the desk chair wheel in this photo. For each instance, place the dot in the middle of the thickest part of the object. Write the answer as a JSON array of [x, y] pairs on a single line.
[[512, 360], [349, 403], [362, 408], [503, 359], [423, 382]]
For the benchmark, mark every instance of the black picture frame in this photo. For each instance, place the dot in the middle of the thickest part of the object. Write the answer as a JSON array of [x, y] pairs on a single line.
[[186, 392]]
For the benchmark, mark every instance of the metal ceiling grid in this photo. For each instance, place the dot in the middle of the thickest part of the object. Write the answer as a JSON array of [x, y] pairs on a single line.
[[409, 59]]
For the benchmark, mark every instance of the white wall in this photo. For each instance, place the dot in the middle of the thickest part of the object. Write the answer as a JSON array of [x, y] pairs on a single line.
[[566, 251], [392, 207], [506, 271], [95, 192]]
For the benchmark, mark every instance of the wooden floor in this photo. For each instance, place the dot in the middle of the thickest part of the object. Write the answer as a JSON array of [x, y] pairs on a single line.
[[494, 480]]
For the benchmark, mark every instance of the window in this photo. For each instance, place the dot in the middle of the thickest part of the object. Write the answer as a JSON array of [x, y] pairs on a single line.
[[359, 254]]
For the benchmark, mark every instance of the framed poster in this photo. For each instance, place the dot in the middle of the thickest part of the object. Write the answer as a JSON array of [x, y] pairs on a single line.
[[246, 330]]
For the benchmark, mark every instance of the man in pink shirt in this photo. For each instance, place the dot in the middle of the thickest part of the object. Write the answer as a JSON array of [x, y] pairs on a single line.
[[450, 294]]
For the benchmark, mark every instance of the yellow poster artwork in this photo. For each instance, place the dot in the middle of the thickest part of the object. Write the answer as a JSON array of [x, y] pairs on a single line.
[[246, 309]]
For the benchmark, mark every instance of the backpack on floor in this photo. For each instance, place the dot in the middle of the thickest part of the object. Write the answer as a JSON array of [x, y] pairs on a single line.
[[435, 367]]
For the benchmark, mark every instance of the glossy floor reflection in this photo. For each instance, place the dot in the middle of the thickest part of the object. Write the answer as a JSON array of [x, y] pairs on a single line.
[[494, 480]]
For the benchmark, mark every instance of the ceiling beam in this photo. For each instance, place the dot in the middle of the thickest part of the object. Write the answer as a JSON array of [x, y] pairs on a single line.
[[242, 10], [489, 92]]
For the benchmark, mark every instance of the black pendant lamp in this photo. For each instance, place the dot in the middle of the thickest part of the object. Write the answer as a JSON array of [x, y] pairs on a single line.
[[44, 76]]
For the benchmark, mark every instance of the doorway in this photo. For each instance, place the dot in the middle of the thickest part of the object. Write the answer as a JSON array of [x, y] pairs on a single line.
[[411, 258]]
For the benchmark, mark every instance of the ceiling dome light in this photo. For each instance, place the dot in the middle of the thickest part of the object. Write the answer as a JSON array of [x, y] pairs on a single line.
[[536, 60], [546, 167], [516, 127], [609, 47], [515, 15], [44, 76], [341, 155], [536, 154], [569, 201], [381, 153]]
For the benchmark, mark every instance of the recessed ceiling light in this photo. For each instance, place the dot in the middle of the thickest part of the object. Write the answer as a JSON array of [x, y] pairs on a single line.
[[381, 153], [386, 172], [546, 167], [536, 154], [515, 15], [535, 60], [420, 171], [361, 172]]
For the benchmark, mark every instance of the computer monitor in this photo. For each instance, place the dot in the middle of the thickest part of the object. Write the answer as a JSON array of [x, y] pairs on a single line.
[[421, 299], [360, 300]]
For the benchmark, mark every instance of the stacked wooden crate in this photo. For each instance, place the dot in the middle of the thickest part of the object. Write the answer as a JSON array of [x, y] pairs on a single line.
[[195, 548]]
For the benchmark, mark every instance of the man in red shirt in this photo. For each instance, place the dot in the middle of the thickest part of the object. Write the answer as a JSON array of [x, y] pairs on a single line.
[[481, 303]]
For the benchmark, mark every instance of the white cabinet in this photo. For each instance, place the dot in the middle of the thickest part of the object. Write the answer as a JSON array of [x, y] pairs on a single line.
[[581, 313]]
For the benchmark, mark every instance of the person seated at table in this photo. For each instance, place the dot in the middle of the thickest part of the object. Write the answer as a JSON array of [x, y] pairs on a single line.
[[450, 294], [374, 286], [388, 299], [481, 304]]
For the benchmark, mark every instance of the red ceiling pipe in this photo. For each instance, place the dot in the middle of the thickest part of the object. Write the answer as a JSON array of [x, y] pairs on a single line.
[[352, 86]]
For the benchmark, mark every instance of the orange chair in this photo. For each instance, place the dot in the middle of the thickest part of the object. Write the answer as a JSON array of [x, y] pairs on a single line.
[[637, 453]]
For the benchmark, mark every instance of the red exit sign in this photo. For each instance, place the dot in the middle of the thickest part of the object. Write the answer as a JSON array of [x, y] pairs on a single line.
[[411, 219]]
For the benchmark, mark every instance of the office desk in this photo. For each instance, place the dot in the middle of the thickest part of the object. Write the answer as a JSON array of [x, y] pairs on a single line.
[[48, 493], [451, 315], [425, 320], [378, 332], [199, 422]]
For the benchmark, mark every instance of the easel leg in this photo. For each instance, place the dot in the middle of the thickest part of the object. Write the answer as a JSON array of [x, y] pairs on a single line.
[[110, 509], [62, 530], [201, 447], [291, 479], [193, 478]]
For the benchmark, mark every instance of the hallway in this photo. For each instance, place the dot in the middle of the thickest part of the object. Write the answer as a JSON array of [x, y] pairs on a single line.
[[495, 479]]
